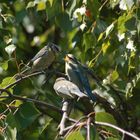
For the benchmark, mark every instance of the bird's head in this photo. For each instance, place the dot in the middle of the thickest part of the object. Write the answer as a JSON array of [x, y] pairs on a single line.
[[70, 59], [60, 79], [55, 48]]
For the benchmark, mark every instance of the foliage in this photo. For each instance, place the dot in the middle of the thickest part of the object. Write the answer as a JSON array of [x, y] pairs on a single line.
[[104, 35]]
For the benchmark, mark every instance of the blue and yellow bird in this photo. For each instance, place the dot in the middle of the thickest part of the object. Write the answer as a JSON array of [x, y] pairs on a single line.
[[77, 74]]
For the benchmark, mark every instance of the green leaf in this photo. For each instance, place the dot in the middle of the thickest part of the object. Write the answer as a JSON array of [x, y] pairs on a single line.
[[130, 24], [55, 11], [93, 6], [45, 126], [100, 36], [30, 4], [63, 21], [105, 117], [94, 135], [26, 115], [11, 120], [109, 29], [114, 76], [17, 103], [73, 4], [122, 26], [108, 118], [10, 49], [51, 2], [75, 135], [41, 6], [6, 81], [11, 134], [105, 46], [89, 40], [4, 65]]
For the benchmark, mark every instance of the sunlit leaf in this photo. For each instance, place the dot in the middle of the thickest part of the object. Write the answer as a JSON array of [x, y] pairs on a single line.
[[105, 46], [10, 49], [30, 4], [41, 6], [4, 65], [11, 133], [100, 36], [122, 22], [130, 45], [51, 2], [109, 29], [114, 76], [75, 135], [6, 81], [105, 117], [17, 103], [72, 7], [126, 4], [108, 118]]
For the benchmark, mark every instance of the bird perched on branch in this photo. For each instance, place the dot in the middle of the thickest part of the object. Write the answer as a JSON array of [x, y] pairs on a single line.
[[67, 89], [77, 74], [42, 60]]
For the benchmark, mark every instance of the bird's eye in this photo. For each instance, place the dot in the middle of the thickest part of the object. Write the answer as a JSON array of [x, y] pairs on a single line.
[[57, 48], [71, 58]]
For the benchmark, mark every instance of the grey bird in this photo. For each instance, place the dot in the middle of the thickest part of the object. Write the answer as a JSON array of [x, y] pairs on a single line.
[[42, 60], [67, 89]]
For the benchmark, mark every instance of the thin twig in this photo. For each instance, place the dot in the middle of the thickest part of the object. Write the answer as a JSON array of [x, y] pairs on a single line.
[[103, 5], [30, 100], [22, 78], [77, 123], [110, 108], [64, 117], [74, 125], [88, 128], [117, 128]]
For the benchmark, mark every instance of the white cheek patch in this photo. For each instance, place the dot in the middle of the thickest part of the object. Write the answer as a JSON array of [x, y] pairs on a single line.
[[37, 61]]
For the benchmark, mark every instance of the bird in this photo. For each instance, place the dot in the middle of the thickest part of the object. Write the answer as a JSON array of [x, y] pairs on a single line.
[[42, 60], [67, 89], [76, 73]]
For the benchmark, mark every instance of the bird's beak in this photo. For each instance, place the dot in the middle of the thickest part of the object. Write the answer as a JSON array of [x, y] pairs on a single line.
[[66, 59]]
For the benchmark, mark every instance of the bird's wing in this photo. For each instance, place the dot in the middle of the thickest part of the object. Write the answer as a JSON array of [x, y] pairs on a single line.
[[74, 90], [42, 52], [62, 89], [85, 83], [90, 72]]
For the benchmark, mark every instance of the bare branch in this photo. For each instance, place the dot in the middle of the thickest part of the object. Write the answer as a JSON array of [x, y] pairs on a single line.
[[79, 123], [30, 100], [64, 117], [75, 124], [117, 128], [22, 78], [88, 128]]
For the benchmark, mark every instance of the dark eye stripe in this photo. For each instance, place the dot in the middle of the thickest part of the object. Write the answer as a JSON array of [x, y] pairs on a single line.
[[71, 58]]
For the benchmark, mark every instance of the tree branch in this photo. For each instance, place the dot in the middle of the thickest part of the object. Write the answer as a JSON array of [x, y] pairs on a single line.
[[64, 117], [29, 100], [117, 128], [88, 128], [77, 123]]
